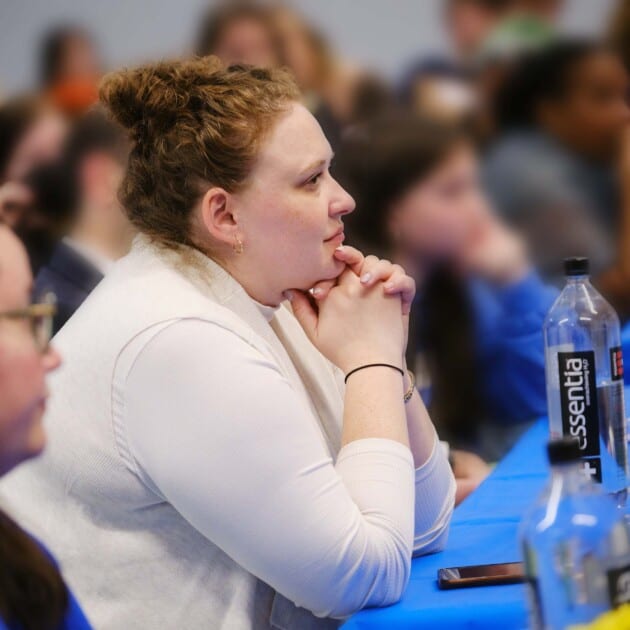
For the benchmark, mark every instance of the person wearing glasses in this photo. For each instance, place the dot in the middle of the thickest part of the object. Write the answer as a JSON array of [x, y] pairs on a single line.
[[33, 595], [210, 467]]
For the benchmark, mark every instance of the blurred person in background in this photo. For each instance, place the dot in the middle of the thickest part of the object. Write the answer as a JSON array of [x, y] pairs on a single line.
[[440, 89], [97, 231], [476, 326], [554, 169], [33, 595], [618, 35], [338, 93], [69, 68], [527, 26], [487, 37], [240, 32], [32, 133], [475, 27], [469, 22]]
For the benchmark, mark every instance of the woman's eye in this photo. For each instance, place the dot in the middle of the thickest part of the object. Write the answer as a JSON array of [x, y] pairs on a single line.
[[312, 181]]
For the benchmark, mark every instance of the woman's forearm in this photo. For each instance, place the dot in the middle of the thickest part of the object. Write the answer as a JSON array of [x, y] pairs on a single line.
[[374, 406]]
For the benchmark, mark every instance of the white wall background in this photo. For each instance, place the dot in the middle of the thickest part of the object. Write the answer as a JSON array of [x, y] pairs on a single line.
[[384, 34]]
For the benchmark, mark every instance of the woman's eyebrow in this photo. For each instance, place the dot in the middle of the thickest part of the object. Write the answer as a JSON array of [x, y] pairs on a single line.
[[317, 164]]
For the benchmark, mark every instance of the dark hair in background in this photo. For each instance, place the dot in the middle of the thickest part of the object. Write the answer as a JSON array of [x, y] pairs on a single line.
[[94, 132], [539, 77], [16, 117], [33, 595], [218, 19], [380, 160], [56, 186], [53, 49], [378, 163]]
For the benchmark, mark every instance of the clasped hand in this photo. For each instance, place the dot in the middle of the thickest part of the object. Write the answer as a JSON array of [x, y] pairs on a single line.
[[360, 317]]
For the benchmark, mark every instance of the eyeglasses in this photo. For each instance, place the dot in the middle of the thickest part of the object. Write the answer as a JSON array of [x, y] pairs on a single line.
[[40, 316]]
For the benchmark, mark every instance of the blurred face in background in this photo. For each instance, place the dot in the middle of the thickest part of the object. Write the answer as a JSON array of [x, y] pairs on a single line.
[[303, 53], [468, 23], [100, 177], [41, 143], [593, 111], [23, 365], [247, 40], [442, 213], [78, 61]]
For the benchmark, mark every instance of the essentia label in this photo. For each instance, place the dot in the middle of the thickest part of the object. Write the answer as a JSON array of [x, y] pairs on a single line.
[[578, 402]]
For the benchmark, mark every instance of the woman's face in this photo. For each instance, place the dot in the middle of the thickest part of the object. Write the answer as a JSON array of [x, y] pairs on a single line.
[[290, 212], [22, 366], [594, 111], [442, 212]]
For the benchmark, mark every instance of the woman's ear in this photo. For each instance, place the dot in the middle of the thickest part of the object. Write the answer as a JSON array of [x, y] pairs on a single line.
[[218, 216]]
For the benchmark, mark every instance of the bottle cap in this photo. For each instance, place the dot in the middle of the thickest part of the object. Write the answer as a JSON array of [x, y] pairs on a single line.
[[576, 266], [563, 451]]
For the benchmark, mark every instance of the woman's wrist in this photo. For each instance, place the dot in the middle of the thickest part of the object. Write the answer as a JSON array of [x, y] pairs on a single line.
[[368, 366], [356, 359]]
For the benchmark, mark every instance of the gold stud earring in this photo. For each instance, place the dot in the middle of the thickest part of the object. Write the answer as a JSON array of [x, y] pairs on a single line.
[[238, 246]]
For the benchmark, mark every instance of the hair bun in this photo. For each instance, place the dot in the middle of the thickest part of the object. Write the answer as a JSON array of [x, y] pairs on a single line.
[[153, 95]]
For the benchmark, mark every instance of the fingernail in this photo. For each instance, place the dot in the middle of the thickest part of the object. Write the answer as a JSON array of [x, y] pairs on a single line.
[[339, 249], [317, 291], [366, 277], [288, 295], [389, 285]]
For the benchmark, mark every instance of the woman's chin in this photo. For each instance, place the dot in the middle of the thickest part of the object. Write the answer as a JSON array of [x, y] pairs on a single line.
[[329, 271], [337, 267]]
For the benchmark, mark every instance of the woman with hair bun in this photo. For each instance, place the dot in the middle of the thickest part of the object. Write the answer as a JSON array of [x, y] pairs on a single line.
[[208, 466]]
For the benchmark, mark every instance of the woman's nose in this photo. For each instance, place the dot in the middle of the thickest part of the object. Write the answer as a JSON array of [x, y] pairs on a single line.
[[343, 202], [51, 359]]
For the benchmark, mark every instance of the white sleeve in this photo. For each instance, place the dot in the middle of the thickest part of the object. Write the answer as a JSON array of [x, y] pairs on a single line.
[[435, 500], [224, 437]]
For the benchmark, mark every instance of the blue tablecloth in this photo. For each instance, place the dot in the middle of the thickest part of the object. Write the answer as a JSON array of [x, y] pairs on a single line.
[[483, 530]]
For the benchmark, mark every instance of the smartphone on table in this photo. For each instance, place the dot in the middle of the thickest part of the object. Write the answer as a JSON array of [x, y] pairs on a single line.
[[481, 575]]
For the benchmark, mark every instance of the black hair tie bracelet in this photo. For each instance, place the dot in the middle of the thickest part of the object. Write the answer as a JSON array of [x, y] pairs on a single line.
[[370, 365]]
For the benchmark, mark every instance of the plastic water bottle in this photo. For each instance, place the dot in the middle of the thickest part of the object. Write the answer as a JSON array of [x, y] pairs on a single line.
[[575, 546], [584, 372]]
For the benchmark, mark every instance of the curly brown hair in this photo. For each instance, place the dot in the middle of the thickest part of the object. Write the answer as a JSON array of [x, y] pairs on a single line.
[[193, 124]]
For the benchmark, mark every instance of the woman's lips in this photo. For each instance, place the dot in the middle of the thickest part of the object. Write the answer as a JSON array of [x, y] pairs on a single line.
[[338, 237]]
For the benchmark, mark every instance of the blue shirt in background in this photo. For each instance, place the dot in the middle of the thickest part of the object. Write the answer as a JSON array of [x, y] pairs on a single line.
[[509, 359], [509, 341]]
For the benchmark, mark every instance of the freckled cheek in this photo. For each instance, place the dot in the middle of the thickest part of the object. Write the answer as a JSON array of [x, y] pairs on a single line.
[[306, 228]]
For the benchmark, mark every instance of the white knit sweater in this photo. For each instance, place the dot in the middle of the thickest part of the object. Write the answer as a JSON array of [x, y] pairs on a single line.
[[194, 477]]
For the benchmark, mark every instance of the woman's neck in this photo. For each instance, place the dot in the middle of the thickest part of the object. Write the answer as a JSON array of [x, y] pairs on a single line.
[[254, 284]]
